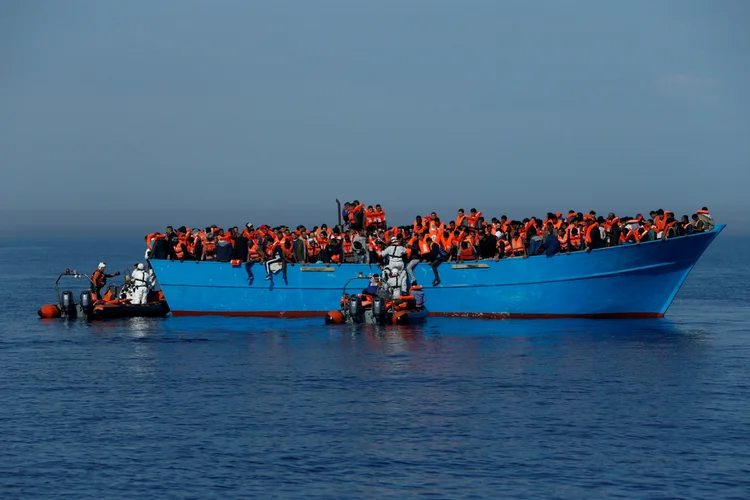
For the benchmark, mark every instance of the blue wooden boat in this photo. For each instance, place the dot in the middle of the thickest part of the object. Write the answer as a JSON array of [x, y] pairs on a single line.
[[629, 281]]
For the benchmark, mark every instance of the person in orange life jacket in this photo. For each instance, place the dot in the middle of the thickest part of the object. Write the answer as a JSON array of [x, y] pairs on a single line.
[[698, 225], [461, 220], [686, 227], [613, 230], [99, 279], [356, 215], [179, 246], [474, 218], [348, 248], [439, 255], [670, 226], [370, 218], [334, 252], [195, 247], [380, 220], [591, 235], [276, 255], [466, 252], [224, 247], [160, 247], [647, 232]]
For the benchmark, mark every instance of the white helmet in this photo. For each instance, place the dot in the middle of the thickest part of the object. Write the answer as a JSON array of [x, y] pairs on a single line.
[[102, 265], [140, 266]]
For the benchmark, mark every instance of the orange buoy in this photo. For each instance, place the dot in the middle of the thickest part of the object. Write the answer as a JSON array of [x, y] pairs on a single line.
[[334, 318], [49, 311]]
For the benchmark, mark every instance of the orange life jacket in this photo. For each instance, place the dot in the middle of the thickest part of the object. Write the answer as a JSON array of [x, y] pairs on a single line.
[[425, 247], [409, 245], [563, 239], [574, 237], [348, 249], [379, 216], [517, 245], [369, 217], [467, 253], [178, 248], [252, 249], [594, 226], [472, 219], [353, 213]]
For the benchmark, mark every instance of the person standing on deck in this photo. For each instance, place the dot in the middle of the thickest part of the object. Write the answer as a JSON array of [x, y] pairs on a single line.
[[99, 278]]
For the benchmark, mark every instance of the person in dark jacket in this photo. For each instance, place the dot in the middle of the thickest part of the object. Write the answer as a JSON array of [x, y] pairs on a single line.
[[438, 257], [240, 250], [300, 249]]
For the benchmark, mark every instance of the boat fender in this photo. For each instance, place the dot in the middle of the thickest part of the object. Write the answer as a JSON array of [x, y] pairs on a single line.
[[334, 318], [49, 311]]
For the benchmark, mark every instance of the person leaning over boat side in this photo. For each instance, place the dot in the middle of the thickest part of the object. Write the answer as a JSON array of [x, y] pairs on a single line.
[[142, 282], [99, 279]]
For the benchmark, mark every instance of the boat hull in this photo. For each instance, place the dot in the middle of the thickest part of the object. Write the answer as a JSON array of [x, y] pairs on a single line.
[[112, 311], [626, 281]]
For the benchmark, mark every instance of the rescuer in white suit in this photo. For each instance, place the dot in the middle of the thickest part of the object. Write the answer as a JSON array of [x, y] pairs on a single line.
[[394, 256], [142, 282]]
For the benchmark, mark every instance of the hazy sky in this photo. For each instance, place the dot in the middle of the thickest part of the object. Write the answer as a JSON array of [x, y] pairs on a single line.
[[514, 107]]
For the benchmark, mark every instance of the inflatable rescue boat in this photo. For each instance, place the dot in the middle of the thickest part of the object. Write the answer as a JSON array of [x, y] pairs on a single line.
[[379, 304], [115, 303]]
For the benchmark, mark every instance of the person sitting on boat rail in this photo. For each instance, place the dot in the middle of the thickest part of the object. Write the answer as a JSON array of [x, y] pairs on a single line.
[[142, 281], [99, 279]]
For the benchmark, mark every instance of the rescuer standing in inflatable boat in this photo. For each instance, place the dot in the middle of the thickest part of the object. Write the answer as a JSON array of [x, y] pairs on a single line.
[[142, 282], [99, 278]]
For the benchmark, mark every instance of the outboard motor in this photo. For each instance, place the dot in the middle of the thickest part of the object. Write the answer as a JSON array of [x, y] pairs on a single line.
[[355, 309], [378, 309], [68, 304], [86, 302]]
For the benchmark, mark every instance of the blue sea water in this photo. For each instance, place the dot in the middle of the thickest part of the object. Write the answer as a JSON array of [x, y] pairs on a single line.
[[255, 408]]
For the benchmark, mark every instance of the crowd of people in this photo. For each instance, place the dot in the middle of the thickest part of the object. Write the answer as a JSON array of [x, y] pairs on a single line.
[[366, 237]]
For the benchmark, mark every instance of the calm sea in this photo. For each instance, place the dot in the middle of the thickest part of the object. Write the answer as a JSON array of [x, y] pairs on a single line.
[[246, 408]]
